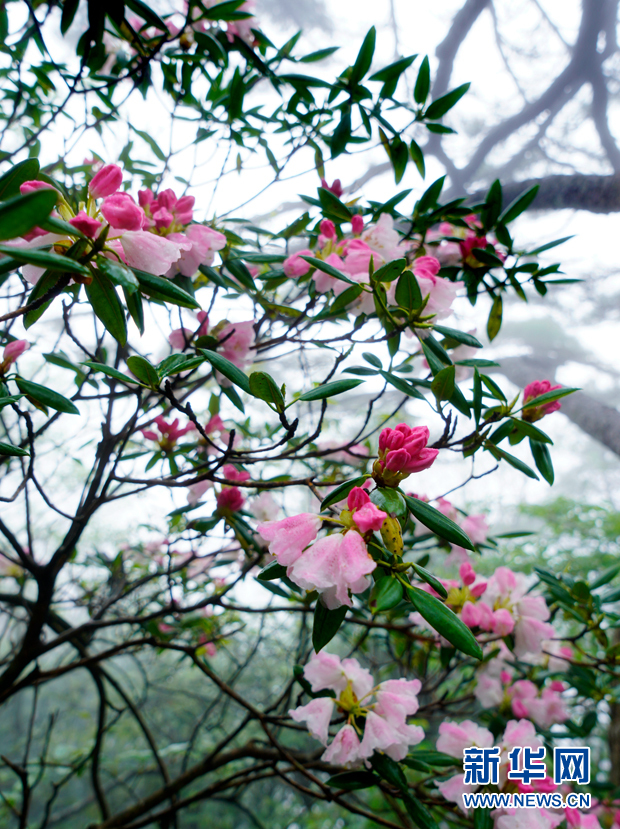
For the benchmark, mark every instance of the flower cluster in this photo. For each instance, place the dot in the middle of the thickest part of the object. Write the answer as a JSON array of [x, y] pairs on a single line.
[[376, 714], [169, 433], [156, 235], [402, 451], [335, 565], [544, 706], [377, 244]]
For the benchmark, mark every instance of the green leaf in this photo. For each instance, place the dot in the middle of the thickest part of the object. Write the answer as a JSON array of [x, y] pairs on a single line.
[[459, 336], [432, 757], [542, 459], [47, 397], [511, 459], [364, 57], [107, 306], [146, 13], [483, 819], [320, 54], [274, 570], [386, 594], [429, 578], [389, 770], [225, 11], [393, 70], [548, 397], [438, 108], [487, 258], [341, 491], [263, 386], [21, 213], [109, 371], [342, 133], [520, 204], [164, 290], [228, 369], [417, 156], [133, 301], [418, 812], [348, 296], [118, 273], [69, 8], [352, 780], [372, 359], [391, 271], [240, 272], [445, 622], [143, 370], [44, 259], [443, 383], [605, 577], [423, 82], [13, 451], [438, 523], [530, 430], [494, 323], [231, 394], [326, 624], [399, 156], [390, 500], [332, 206], [492, 205], [330, 389], [429, 197], [176, 363], [408, 294], [549, 245], [493, 387], [11, 181], [327, 268], [402, 385]]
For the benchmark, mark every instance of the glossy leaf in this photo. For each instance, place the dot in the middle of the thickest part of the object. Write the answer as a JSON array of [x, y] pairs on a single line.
[[263, 386], [519, 205], [494, 323], [21, 213], [442, 105], [47, 397], [443, 383], [326, 624], [164, 290], [228, 369], [391, 271], [13, 451], [107, 306], [143, 370], [341, 492], [542, 459], [444, 621], [386, 594], [45, 259], [423, 82], [330, 389], [438, 523], [353, 780], [459, 336], [408, 294]]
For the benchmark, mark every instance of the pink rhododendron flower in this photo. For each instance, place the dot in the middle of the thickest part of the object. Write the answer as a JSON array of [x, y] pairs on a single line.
[[203, 243], [148, 252], [234, 475], [86, 224], [454, 737], [536, 389], [381, 735], [237, 340], [384, 239], [295, 266], [386, 728], [12, 351], [402, 451], [335, 188], [197, 490], [476, 527], [326, 672], [34, 184], [328, 229], [122, 213], [316, 714], [506, 597], [365, 514], [344, 749], [180, 337], [333, 566], [264, 507], [106, 181], [289, 537], [169, 432], [230, 498], [440, 291], [357, 224], [489, 690]]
